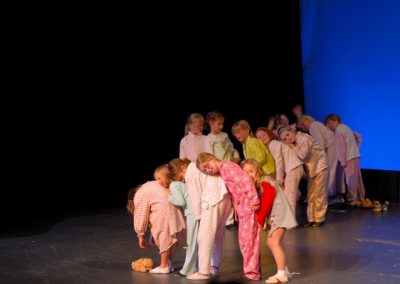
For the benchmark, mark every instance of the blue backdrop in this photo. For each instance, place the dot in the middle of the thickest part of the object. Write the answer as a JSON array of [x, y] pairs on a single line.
[[351, 66]]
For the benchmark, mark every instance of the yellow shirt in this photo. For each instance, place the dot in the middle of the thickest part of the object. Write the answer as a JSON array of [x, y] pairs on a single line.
[[254, 148]]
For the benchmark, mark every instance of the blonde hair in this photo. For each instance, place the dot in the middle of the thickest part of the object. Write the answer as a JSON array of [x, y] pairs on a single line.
[[241, 124], [213, 115], [305, 118], [259, 172], [175, 167], [192, 118], [204, 158], [284, 128], [130, 206], [164, 171]]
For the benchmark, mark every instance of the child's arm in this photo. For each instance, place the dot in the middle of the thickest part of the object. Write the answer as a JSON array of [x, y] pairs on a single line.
[[141, 214], [358, 138], [267, 201]]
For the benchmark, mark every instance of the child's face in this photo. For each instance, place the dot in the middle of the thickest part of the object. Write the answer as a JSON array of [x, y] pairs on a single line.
[[263, 137], [250, 170], [288, 136], [209, 168], [283, 120], [196, 127], [182, 172], [241, 134], [216, 125], [305, 126], [332, 124], [162, 179]]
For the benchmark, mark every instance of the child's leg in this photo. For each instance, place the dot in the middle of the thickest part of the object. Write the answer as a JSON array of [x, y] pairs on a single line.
[[274, 244], [249, 238], [164, 258]]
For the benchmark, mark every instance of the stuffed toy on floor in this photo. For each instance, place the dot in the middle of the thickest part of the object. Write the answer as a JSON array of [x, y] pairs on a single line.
[[142, 264]]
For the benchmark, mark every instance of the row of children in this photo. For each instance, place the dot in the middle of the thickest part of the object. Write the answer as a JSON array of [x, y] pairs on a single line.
[[282, 160], [204, 190]]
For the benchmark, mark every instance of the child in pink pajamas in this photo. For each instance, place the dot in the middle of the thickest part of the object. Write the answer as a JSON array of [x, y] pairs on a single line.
[[245, 202]]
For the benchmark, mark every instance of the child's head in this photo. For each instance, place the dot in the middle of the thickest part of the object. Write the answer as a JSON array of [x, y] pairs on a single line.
[[215, 120], [161, 174], [332, 121], [194, 124], [130, 206], [177, 169], [304, 122], [280, 120], [206, 163], [287, 134], [241, 129], [265, 135], [254, 169]]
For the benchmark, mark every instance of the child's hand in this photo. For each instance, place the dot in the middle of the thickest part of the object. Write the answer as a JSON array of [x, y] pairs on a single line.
[[142, 242], [255, 207]]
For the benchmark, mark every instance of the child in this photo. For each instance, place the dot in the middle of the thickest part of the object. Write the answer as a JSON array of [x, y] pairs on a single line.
[[314, 158], [245, 202], [161, 175], [180, 197], [194, 141], [289, 168], [221, 147], [349, 157], [252, 147], [151, 207], [212, 204], [281, 217], [325, 137]]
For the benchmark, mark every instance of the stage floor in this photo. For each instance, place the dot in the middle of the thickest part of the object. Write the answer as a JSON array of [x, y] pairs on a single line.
[[354, 246]]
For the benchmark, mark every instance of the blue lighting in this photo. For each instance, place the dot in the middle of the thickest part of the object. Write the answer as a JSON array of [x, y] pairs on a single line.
[[351, 67]]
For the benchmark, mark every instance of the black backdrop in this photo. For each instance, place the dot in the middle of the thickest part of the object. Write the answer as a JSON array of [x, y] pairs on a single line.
[[102, 130]]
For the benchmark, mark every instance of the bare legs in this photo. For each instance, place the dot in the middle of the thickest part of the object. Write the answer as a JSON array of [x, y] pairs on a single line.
[[274, 244]]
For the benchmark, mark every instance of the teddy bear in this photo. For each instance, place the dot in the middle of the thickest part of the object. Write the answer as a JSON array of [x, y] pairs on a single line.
[[142, 264]]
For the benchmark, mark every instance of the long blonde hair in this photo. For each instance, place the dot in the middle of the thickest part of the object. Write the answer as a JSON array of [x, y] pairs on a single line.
[[204, 158], [194, 117], [259, 175], [175, 167]]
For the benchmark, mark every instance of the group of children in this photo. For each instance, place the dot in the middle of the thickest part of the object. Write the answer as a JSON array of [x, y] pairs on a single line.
[[207, 188]]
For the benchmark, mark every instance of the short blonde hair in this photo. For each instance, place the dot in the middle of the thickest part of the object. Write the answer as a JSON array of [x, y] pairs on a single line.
[[241, 124], [306, 118]]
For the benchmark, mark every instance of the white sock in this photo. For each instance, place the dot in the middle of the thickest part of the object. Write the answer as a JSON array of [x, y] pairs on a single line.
[[281, 273]]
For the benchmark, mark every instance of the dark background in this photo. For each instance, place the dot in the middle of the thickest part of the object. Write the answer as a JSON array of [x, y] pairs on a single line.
[[90, 126]]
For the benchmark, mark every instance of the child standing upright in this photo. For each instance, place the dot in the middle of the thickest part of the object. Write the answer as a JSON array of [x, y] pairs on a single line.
[[221, 145], [349, 157], [194, 142], [281, 216], [245, 202]]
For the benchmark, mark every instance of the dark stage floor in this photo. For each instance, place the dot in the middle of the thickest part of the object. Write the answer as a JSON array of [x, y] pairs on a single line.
[[355, 246]]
